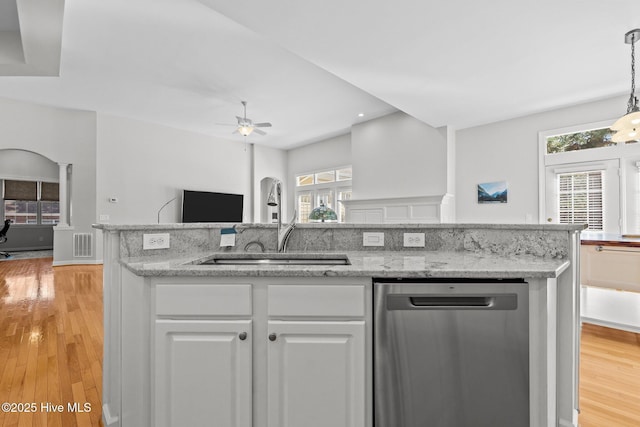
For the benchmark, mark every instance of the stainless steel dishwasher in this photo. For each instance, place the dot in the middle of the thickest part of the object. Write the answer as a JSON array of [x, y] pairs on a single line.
[[451, 353]]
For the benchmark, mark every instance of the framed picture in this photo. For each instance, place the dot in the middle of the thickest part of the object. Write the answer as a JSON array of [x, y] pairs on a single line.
[[492, 192]]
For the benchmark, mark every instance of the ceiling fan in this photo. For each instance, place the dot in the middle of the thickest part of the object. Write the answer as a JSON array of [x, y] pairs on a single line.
[[246, 126]]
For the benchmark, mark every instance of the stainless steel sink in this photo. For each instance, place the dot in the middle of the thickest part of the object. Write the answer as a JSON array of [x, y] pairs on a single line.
[[275, 259]]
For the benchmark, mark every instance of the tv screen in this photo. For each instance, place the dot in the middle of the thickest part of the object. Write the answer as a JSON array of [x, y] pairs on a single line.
[[205, 206]]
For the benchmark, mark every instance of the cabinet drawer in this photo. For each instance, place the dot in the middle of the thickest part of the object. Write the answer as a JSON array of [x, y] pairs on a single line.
[[203, 300], [316, 300]]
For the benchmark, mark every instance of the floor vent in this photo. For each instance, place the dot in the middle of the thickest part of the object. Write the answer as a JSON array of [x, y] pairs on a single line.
[[82, 244]]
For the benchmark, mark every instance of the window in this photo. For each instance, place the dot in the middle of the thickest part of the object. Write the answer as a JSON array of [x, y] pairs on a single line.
[[344, 194], [21, 211], [582, 140], [580, 199], [325, 177], [326, 186], [325, 197], [344, 174], [31, 202], [304, 206], [304, 180]]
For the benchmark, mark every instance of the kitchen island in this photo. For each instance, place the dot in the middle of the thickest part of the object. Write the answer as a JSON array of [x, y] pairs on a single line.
[[186, 342]]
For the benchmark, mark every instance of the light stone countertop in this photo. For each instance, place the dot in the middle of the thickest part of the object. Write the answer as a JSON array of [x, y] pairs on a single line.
[[404, 264], [240, 226]]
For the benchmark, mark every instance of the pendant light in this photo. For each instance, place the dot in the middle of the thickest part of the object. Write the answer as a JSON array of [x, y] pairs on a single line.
[[627, 127]]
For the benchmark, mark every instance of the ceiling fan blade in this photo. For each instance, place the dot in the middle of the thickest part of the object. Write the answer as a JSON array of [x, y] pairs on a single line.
[[259, 132], [240, 119], [262, 125]]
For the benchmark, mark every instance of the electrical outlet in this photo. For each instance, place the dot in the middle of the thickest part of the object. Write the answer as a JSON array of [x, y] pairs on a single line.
[[372, 239], [155, 241], [414, 240]]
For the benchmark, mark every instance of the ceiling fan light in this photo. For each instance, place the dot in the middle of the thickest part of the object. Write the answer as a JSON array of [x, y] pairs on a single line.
[[245, 130]]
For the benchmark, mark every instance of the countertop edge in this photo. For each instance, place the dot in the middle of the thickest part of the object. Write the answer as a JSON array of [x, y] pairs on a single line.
[[384, 266]]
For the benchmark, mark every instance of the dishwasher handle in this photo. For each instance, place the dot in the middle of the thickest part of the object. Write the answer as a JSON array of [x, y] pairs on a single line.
[[452, 302]]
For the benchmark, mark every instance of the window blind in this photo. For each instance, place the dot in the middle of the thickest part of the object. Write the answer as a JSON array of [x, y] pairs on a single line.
[[50, 192], [20, 190], [580, 198]]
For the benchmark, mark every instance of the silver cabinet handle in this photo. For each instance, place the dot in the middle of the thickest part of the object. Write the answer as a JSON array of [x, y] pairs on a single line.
[[272, 337], [599, 248], [242, 336]]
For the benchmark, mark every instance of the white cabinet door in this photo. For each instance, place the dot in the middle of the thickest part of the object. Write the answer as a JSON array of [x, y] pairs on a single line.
[[203, 374], [316, 374]]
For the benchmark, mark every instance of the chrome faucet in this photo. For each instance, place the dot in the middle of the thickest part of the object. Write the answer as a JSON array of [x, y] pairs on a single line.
[[275, 199]]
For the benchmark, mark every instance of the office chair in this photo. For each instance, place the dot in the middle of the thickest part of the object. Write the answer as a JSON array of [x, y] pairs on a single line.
[[3, 236]]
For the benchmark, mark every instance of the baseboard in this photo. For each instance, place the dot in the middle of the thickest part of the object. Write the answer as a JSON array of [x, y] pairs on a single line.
[[61, 263], [569, 423], [608, 324], [27, 248], [107, 418]]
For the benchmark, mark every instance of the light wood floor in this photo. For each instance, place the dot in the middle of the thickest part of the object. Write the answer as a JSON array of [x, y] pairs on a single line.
[[609, 378], [51, 351], [50, 343]]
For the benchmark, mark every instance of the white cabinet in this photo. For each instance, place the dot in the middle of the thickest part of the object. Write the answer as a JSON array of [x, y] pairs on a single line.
[[203, 373], [276, 352], [203, 366], [316, 374], [316, 359]]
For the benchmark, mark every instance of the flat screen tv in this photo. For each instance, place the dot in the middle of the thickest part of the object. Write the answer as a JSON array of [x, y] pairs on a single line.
[[205, 206]]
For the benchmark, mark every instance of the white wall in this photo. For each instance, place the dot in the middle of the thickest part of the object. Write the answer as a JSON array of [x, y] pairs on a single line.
[[398, 156], [321, 155], [26, 165], [508, 151], [145, 165], [327, 154], [63, 136], [392, 156]]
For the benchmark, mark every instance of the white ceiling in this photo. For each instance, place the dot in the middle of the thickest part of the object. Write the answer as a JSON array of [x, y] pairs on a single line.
[[310, 67]]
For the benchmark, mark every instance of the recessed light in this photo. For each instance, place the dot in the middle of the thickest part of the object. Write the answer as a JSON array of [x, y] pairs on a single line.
[[360, 114]]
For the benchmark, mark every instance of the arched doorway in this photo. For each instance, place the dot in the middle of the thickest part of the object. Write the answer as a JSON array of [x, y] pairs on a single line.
[[30, 184]]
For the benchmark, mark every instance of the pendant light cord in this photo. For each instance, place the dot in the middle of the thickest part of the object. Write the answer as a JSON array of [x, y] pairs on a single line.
[[633, 101]]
